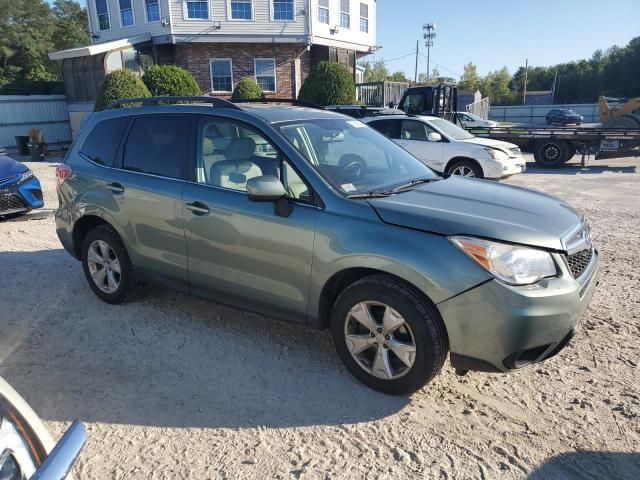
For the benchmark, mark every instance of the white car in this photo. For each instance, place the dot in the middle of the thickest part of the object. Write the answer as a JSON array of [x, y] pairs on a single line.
[[447, 148], [469, 120]]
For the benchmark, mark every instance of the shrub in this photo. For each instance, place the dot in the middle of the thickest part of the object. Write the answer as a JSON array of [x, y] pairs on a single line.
[[162, 80], [32, 87], [329, 83], [247, 89], [120, 84]]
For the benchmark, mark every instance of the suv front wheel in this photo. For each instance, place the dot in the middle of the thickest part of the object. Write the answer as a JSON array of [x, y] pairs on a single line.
[[387, 335], [107, 267]]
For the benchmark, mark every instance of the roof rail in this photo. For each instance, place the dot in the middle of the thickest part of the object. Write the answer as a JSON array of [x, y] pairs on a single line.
[[296, 102], [145, 101], [361, 111]]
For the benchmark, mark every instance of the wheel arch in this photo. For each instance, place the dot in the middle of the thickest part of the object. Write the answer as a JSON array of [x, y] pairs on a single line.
[[84, 225]]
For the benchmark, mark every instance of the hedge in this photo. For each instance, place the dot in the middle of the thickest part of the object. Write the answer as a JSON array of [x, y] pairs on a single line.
[[120, 84], [329, 83], [162, 80], [247, 89]]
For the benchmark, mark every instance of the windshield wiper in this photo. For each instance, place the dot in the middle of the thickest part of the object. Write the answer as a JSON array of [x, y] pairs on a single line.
[[371, 194], [415, 181]]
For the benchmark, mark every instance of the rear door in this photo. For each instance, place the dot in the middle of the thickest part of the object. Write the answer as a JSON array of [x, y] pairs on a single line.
[[146, 191], [414, 137]]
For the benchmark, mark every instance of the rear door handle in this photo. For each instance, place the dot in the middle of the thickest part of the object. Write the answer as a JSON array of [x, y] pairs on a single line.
[[198, 208], [115, 187]]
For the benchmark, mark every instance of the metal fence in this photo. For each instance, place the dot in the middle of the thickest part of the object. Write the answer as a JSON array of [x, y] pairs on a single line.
[[20, 113], [380, 94], [480, 108], [535, 114]]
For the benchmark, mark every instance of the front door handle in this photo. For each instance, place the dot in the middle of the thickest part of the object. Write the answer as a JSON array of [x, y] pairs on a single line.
[[115, 187], [198, 208]]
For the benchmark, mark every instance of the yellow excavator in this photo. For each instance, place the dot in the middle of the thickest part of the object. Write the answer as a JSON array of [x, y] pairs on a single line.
[[625, 115]]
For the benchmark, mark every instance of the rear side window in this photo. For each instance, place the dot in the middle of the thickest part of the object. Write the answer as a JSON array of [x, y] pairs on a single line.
[[158, 145], [389, 128], [101, 145]]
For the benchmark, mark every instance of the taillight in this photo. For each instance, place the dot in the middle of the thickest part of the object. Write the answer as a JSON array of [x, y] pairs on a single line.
[[62, 172]]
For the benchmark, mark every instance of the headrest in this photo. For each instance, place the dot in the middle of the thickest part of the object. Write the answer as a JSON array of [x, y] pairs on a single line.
[[241, 148], [207, 146]]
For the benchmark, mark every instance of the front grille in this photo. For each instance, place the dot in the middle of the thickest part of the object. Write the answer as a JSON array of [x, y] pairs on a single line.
[[11, 203], [578, 262]]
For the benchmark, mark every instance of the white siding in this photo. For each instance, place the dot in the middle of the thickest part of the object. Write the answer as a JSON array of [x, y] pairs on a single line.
[[352, 37], [261, 25], [141, 26]]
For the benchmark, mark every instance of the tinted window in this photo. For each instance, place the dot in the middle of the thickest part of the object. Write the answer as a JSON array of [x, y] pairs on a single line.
[[387, 127], [158, 145], [101, 145]]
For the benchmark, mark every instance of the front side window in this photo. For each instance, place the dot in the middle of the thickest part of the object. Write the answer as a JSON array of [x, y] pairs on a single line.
[[158, 145], [388, 128], [414, 130], [265, 69], [449, 129], [152, 8], [323, 11], [221, 75], [102, 11], [197, 10], [241, 10], [283, 9], [364, 17], [126, 13], [345, 17], [101, 145], [352, 157]]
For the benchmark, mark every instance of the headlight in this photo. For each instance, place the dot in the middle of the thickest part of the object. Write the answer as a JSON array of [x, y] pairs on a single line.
[[25, 176], [512, 264], [497, 154]]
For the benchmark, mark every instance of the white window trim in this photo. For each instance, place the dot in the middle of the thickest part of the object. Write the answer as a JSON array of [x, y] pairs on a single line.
[[146, 18], [185, 12], [95, 4], [328, 9], [345, 13], [275, 78], [231, 19], [133, 14], [272, 12], [211, 60]]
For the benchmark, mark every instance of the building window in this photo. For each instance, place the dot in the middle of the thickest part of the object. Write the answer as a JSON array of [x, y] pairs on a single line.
[[241, 10], [265, 69], [323, 11], [221, 76], [103, 15], [345, 18], [153, 10], [364, 17], [283, 9], [126, 13], [197, 10]]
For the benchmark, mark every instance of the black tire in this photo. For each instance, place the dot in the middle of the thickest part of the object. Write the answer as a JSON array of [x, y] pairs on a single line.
[[129, 287], [429, 333], [551, 153], [466, 164]]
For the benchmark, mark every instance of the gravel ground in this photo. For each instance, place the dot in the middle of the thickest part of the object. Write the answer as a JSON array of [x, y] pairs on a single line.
[[177, 387]]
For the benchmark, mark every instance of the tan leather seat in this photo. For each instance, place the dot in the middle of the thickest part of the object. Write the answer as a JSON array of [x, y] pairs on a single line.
[[233, 174], [208, 159]]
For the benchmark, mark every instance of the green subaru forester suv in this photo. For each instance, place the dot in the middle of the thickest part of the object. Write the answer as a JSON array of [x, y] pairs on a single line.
[[311, 216]]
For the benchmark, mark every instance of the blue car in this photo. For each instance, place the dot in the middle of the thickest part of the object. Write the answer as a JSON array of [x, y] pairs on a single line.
[[20, 190]]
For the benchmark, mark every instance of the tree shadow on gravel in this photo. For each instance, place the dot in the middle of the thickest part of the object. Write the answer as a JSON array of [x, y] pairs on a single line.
[[589, 465], [165, 360]]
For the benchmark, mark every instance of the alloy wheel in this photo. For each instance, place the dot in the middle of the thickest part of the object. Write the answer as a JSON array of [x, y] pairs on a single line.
[[379, 340], [464, 171], [104, 266]]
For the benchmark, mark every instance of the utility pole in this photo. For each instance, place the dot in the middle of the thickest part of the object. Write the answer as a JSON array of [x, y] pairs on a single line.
[[429, 34], [415, 76], [526, 71]]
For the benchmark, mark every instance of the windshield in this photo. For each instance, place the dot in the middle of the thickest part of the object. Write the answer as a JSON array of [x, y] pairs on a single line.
[[449, 129], [568, 112], [353, 157]]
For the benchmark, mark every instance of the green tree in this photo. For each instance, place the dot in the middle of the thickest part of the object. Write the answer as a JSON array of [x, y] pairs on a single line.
[[374, 71], [163, 80], [470, 80], [329, 83], [118, 85], [397, 77], [495, 85], [247, 89], [70, 25]]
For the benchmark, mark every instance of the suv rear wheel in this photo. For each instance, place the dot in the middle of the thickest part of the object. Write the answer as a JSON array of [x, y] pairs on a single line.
[[107, 267], [387, 335]]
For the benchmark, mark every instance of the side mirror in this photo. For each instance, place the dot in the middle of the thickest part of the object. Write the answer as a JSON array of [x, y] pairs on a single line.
[[266, 188], [434, 137]]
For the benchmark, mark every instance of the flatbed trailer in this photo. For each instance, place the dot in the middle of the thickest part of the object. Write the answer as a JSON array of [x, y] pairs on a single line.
[[552, 147]]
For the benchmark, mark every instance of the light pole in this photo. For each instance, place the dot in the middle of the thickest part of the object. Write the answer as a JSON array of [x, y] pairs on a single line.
[[429, 34]]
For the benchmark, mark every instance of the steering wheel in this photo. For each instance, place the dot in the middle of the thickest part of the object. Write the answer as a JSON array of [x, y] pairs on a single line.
[[351, 171]]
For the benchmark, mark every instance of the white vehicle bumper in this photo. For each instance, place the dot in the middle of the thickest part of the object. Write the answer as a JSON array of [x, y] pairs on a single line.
[[504, 168]]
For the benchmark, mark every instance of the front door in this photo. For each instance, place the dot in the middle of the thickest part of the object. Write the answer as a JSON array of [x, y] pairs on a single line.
[[414, 137], [241, 252]]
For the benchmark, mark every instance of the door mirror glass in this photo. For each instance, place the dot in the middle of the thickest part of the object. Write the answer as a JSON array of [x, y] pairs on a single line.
[[434, 137], [265, 188]]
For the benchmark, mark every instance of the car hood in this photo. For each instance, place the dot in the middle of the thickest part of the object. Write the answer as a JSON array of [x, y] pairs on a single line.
[[8, 166], [461, 206], [489, 142]]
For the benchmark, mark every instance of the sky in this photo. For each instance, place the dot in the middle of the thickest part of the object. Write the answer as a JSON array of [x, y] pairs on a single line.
[[497, 33]]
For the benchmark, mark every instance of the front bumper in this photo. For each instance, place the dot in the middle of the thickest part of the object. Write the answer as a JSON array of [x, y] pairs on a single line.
[[504, 168], [498, 327], [21, 197]]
